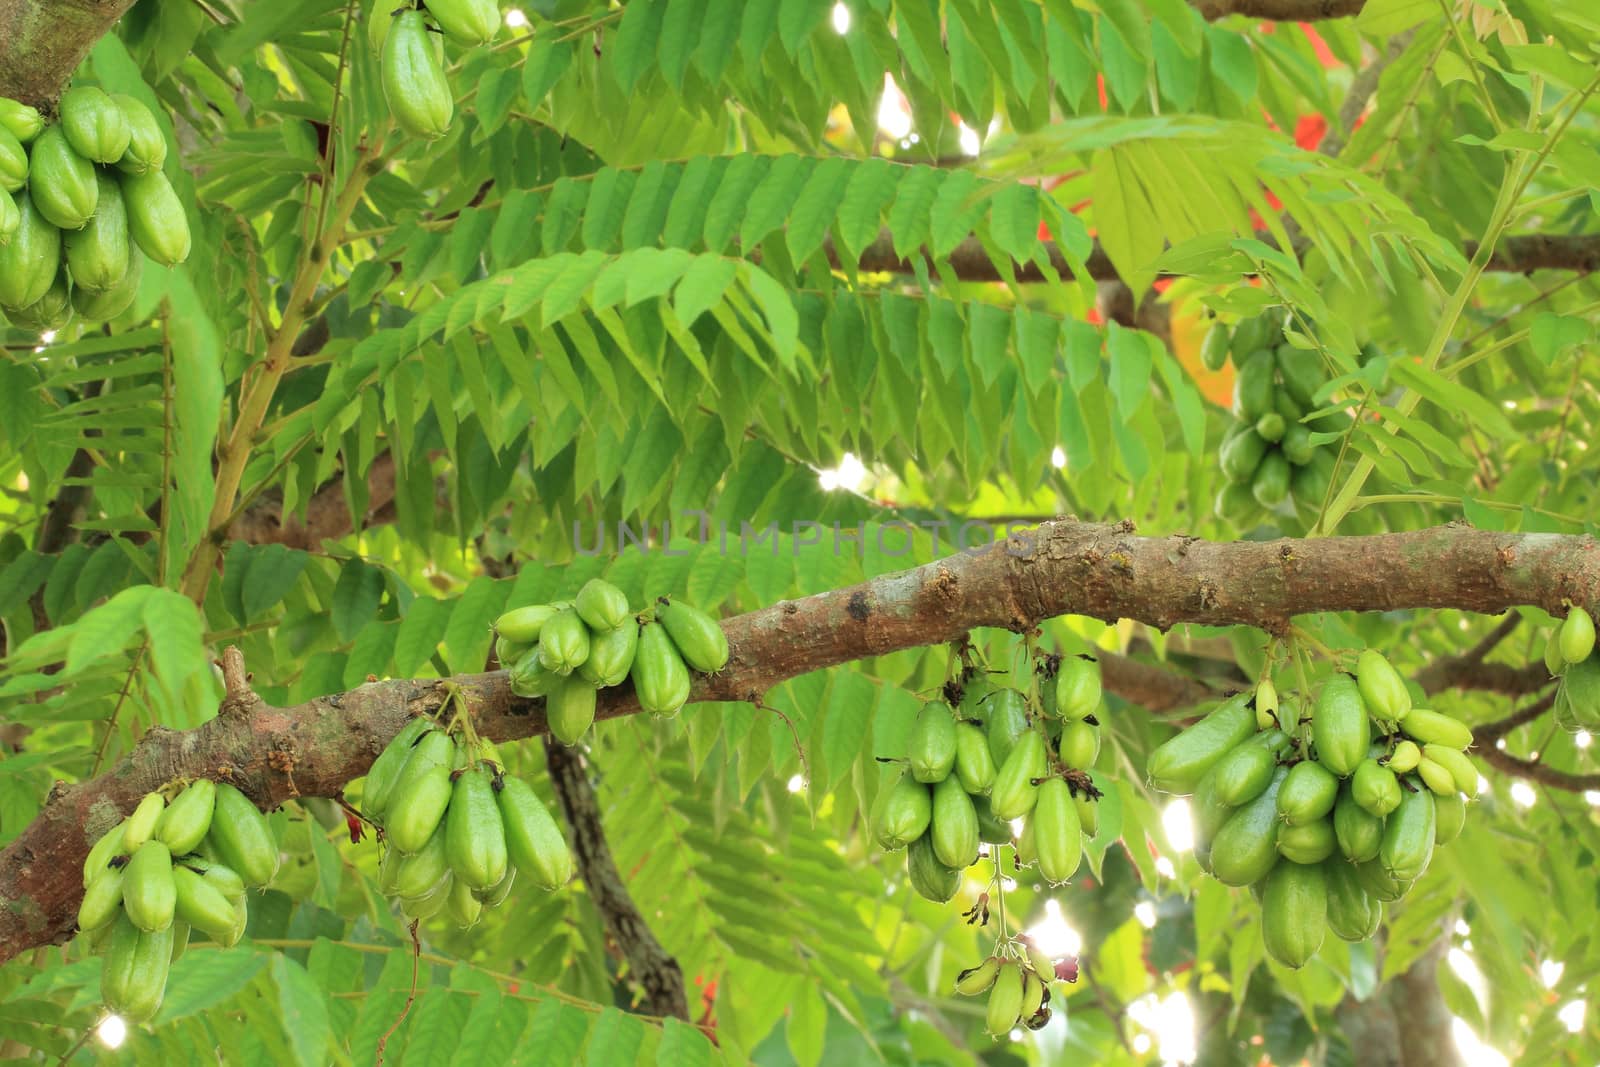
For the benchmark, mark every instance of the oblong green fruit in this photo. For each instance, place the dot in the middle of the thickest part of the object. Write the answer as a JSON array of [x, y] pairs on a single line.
[[932, 879], [564, 642], [414, 83], [698, 637], [51, 311], [611, 655], [148, 893], [10, 218], [533, 840], [1577, 635], [1301, 372], [1296, 444], [95, 127], [1353, 913], [222, 878], [467, 21], [1246, 847], [133, 979], [19, 120], [1382, 688], [109, 303], [1430, 726], [660, 677], [975, 980], [1294, 913], [156, 218], [974, 762], [1253, 385], [1008, 721], [1553, 661], [147, 145], [1339, 726], [1436, 778], [1078, 687], [904, 813], [184, 823], [1310, 483], [475, 834], [1310, 842], [1005, 1000], [385, 770], [1208, 813], [1408, 835], [569, 709], [1244, 772], [1014, 793], [242, 838], [430, 903], [421, 793], [98, 862], [1079, 745], [931, 745], [991, 829], [102, 901], [1057, 832], [496, 894], [1271, 427], [60, 181], [599, 603], [1241, 454], [1359, 832], [202, 905], [1258, 331], [31, 260], [529, 677], [1025, 851], [97, 255], [954, 826], [1449, 817], [523, 625], [141, 825], [1308, 793], [1405, 757], [1379, 883], [1270, 486], [1214, 349], [1235, 503], [13, 163], [1088, 813], [1178, 764], [463, 905], [1375, 788]]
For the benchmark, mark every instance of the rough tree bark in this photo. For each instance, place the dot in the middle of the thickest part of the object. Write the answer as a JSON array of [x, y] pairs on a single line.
[[43, 41], [1061, 567]]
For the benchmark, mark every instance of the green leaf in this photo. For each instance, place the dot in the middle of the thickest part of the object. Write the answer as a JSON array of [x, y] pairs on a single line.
[[205, 977], [851, 701], [1384, 18], [105, 630], [615, 1039], [421, 631], [682, 1046], [471, 626], [702, 286], [356, 596], [1552, 334], [558, 1031], [302, 1012], [1131, 364]]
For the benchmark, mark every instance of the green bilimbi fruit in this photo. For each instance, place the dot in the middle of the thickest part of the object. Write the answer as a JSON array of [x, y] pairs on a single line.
[[1430, 726], [10, 218], [1358, 831], [1057, 832], [19, 120], [1270, 486], [611, 655], [102, 901], [184, 823], [1033, 992], [222, 878], [599, 603], [1088, 813], [563, 642], [954, 826], [463, 905], [1241, 454], [1014, 793], [1214, 349], [156, 217], [1178, 764], [1577, 635], [1208, 816], [1294, 913], [13, 163], [533, 840], [1436, 777], [1026, 852], [974, 762], [931, 879], [1449, 817], [413, 77], [660, 677], [421, 793], [97, 255], [141, 825], [1379, 883], [1252, 386], [1258, 331], [467, 21], [975, 980], [1308, 793], [94, 125], [474, 832], [430, 903], [1405, 757], [994, 831], [1234, 503], [202, 905], [61, 182], [148, 893], [531, 678], [1271, 427], [51, 311], [1266, 705], [241, 838], [1382, 688], [109, 303], [1005, 999], [98, 862], [1301, 372], [508, 651], [1296, 444], [147, 145], [1243, 773], [1408, 836], [1375, 788], [523, 625], [1079, 746], [904, 814], [1463, 774], [1353, 913], [496, 894], [931, 746], [569, 708], [385, 770], [698, 637], [133, 978], [1246, 847], [1008, 721], [1339, 726], [1553, 660], [1310, 842], [1078, 687]]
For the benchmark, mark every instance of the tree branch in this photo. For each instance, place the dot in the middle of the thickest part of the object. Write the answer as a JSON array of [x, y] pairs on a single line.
[[1538, 772], [1062, 567], [652, 966], [43, 41], [1279, 10]]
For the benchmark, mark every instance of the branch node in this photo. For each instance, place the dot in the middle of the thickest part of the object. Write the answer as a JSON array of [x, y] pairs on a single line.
[[241, 701]]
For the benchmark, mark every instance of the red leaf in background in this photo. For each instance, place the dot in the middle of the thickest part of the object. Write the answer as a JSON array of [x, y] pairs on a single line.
[[1325, 54], [1309, 130]]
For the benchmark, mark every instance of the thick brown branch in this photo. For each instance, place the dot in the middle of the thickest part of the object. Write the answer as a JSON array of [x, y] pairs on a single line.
[[655, 969], [1152, 688], [1062, 567], [43, 41], [1279, 10], [1536, 772], [327, 512], [1488, 733]]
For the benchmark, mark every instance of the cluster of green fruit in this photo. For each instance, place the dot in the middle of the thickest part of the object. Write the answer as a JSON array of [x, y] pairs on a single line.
[[1002, 755], [568, 651], [162, 871], [1271, 456], [458, 828], [1328, 816], [411, 61], [80, 200], [1569, 655], [1017, 978]]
